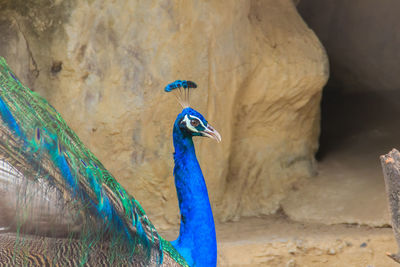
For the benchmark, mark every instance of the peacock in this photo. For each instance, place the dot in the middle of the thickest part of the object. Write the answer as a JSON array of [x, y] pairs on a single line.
[[60, 206]]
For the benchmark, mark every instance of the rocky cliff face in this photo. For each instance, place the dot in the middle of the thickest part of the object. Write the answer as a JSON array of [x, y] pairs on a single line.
[[104, 64]]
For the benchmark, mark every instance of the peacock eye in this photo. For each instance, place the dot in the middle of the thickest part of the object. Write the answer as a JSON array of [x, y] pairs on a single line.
[[194, 123]]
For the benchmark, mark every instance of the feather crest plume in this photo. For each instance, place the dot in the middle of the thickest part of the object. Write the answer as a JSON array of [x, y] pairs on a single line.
[[181, 89]]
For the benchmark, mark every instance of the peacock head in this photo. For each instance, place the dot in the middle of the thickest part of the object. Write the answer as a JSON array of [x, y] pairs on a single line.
[[190, 122]]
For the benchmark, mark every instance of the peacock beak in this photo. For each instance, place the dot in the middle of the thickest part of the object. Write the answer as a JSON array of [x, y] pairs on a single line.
[[211, 133]]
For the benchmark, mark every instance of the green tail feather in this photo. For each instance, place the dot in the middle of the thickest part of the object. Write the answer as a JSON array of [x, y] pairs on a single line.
[[37, 140]]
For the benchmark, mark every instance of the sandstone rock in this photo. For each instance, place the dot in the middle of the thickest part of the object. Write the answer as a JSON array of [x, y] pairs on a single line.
[[104, 65]]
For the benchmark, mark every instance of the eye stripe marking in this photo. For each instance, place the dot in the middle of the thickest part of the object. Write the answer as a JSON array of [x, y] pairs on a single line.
[[201, 123], [188, 125]]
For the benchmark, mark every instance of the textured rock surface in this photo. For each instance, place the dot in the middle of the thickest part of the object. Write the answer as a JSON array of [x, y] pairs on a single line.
[[103, 65]]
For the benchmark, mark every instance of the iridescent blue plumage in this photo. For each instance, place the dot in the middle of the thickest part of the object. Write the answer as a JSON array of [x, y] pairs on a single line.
[[8, 118], [197, 239]]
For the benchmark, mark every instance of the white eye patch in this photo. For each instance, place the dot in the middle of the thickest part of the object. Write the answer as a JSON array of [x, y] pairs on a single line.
[[187, 120]]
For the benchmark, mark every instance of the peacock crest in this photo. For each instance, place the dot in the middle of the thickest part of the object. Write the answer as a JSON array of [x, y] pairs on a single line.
[[181, 90]]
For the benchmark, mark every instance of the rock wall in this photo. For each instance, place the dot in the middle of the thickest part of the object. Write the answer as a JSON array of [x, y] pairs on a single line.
[[104, 64]]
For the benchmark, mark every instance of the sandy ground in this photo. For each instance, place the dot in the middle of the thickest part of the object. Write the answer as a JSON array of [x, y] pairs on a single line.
[[349, 188], [277, 241]]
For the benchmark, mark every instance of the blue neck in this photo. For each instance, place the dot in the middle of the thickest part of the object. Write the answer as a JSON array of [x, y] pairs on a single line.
[[197, 241]]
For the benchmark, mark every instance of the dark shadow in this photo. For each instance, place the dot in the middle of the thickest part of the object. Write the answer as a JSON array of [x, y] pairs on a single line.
[[346, 115]]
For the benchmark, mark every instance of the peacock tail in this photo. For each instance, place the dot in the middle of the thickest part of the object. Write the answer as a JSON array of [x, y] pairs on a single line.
[[56, 178]]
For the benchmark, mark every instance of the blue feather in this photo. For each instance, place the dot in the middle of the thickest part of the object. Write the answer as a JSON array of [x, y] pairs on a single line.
[[62, 164], [8, 118]]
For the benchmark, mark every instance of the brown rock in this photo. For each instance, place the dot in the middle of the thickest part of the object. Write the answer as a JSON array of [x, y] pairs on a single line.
[[104, 65]]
